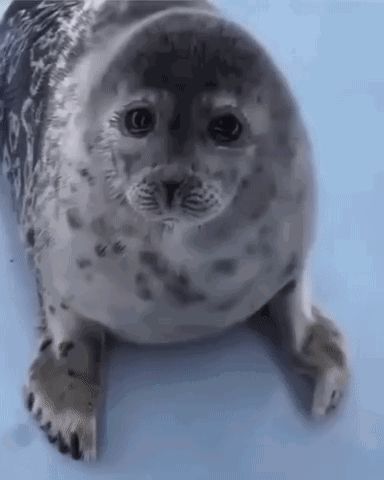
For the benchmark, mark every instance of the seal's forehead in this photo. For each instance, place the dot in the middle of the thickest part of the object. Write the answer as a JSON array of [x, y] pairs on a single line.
[[191, 52]]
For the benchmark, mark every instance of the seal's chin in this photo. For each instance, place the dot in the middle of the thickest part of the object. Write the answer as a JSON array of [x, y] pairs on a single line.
[[171, 218], [174, 216]]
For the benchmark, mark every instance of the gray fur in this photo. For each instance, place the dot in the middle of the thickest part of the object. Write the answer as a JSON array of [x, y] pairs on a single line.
[[156, 238]]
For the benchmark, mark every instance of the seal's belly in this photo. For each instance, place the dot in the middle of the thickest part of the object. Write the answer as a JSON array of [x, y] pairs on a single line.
[[179, 307], [161, 320], [165, 290]]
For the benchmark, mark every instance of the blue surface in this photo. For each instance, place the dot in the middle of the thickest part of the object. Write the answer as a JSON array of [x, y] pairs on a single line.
[[223, 409]]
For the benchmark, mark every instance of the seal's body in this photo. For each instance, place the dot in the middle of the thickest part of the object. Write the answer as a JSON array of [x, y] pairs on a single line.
[[163, 181]]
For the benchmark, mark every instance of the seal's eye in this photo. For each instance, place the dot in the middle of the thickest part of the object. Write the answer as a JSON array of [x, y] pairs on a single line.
[[225, 128], [139, 121]]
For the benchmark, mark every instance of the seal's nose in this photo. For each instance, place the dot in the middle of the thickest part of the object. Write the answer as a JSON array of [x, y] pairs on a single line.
[[170, 188]]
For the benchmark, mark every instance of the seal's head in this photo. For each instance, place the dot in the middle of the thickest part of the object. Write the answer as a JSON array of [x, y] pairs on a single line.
[[188, 111]]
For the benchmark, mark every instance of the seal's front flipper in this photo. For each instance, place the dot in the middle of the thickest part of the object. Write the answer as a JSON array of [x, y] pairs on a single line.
[[317, 346], [63, 393]]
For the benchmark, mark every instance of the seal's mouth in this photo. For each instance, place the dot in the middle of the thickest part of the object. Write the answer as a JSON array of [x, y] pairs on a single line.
[[166, 197], [171, 189]]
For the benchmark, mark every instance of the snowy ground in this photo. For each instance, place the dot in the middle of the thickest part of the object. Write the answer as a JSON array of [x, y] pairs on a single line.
[[223, 409]]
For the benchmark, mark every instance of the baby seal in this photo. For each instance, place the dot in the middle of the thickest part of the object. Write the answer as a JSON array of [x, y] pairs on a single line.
[[163, 183]]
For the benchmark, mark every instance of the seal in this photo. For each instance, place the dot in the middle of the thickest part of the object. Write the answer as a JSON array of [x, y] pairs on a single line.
[[163, 181]]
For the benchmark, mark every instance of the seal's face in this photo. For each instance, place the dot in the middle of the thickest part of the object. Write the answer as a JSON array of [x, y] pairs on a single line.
[[188, 117], [183, 158]]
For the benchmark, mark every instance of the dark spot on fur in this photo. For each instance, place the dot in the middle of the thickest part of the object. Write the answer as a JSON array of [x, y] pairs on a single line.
[[83, 263], [101, 250], [265, 249], [30, 401], [183, 279], [31, 237], [52, 438], [179, 288], [45, 344], [52, 309], [84, 172], [152, 260], [255, 214], [225, 266], [118, 248], [289, 287], [144, 293], [65, 348], [39, 414], [141, 279], [64, 306], [73, 374], [40, 298], [73, 218]]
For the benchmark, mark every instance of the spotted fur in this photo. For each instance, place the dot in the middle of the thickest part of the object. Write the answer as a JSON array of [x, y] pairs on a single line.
[[159, 239]]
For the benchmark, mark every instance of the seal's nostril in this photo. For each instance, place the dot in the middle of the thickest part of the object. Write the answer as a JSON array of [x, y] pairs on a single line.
[[170, 188]]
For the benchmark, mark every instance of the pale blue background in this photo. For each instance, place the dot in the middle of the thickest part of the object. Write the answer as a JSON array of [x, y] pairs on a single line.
[[223, 410]]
